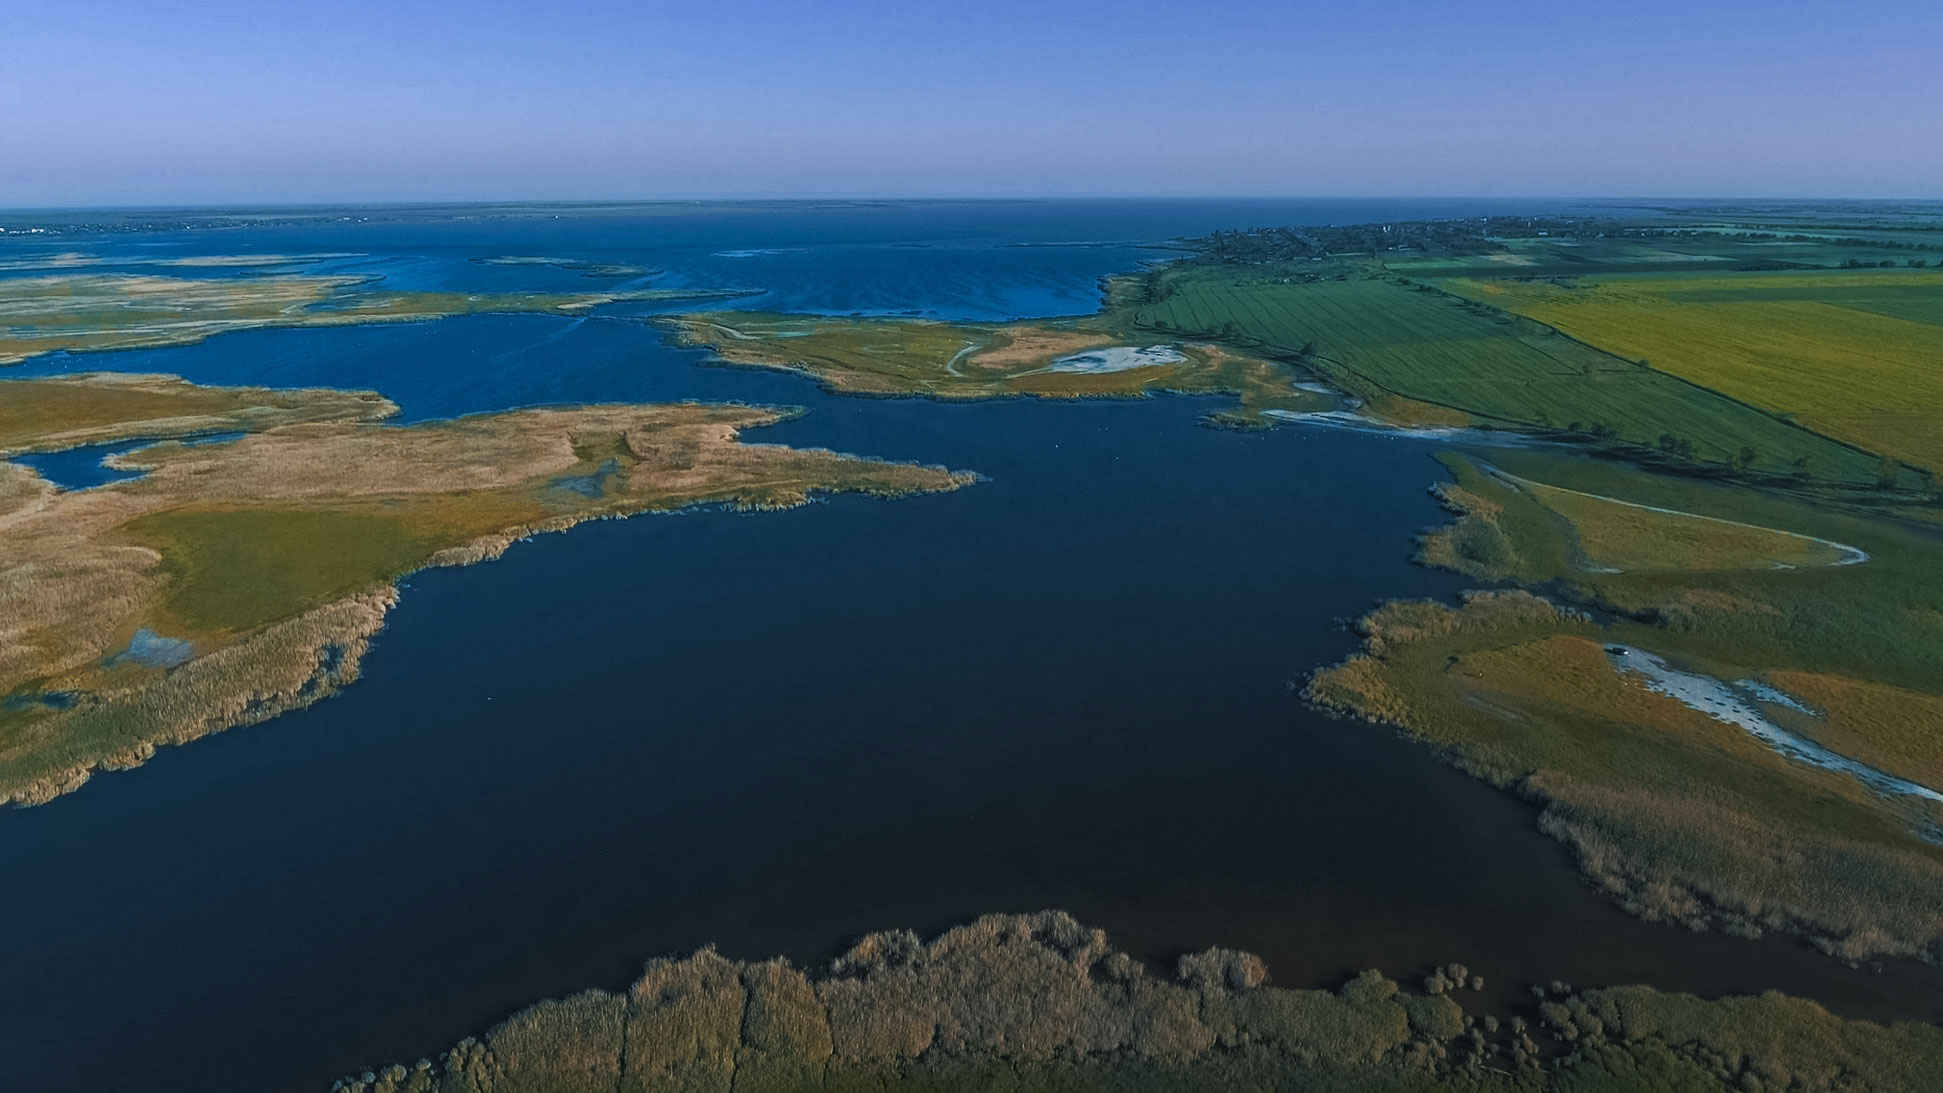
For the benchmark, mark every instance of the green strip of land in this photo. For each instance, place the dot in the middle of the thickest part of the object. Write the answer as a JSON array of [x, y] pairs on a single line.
[[76, 313]]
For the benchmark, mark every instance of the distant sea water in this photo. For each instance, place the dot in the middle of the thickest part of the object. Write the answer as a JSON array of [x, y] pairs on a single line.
[[1068, 686], [946, 260]]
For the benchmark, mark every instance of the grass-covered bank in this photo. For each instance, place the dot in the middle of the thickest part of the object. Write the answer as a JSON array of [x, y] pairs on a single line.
[[1674, 808], [1064, 358], [101, 407], [1766, 520], [1041, 1002]]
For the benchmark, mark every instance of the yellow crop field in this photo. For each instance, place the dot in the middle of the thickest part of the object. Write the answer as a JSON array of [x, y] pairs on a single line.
[[1855, 356]]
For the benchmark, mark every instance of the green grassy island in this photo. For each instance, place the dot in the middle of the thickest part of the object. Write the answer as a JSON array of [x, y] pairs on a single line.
[[81, 312]]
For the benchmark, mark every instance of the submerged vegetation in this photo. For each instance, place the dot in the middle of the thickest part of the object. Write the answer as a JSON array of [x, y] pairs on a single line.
[[1042, 1002], [271, 558]]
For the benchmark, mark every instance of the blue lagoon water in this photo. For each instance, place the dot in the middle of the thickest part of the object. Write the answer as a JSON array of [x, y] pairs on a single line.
[[1067, 686], [82, 468]]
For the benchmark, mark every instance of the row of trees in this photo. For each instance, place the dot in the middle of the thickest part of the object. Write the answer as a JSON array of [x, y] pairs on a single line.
[[1475, 235], [1889, 474], [1859, 263]]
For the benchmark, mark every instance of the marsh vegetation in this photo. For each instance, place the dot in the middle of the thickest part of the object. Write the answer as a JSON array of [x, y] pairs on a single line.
[[98, 407], [80, 312], [1764, 514], [272, 556], [1674, 809], [1040, 1001], [988, 360]]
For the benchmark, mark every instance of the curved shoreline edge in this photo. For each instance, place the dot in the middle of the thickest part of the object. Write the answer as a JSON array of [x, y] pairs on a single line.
[[90, 566]]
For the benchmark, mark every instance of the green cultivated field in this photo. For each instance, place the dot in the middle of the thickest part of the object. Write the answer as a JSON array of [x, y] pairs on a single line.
[[1379, 339], [1854, 354]]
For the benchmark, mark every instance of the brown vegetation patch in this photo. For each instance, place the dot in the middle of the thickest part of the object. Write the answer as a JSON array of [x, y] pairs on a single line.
[[88, 312], [1040, 1001], [1413, 414], [1019, 346], [1892, 728], [41, 415], [274, 555]]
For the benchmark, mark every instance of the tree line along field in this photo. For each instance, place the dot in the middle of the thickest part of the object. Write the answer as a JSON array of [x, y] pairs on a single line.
[[1857, 355], [1378, 337], [1698, 251]]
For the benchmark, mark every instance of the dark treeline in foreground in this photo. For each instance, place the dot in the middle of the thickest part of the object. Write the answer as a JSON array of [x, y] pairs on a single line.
[[1038, 1002]]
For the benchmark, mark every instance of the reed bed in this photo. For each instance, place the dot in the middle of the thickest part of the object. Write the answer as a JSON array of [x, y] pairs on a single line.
[[1039, 1001], [274, 556]]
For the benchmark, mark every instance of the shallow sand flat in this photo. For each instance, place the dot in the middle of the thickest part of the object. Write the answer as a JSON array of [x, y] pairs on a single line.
[[1117, 358]]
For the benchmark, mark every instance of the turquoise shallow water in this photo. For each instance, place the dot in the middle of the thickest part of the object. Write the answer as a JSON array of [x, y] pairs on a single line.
[[1066, 686]]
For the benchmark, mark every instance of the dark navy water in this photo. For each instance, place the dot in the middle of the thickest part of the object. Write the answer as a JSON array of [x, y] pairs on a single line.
[[1066, 686]]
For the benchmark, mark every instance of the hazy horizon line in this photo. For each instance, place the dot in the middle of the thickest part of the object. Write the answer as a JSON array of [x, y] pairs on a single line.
[[994, 199]]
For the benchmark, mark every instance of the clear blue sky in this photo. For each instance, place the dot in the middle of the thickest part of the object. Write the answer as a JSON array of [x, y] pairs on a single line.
[[213, 101]]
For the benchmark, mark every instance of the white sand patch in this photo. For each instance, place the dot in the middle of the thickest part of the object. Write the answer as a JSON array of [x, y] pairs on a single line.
[[1115, 358]]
